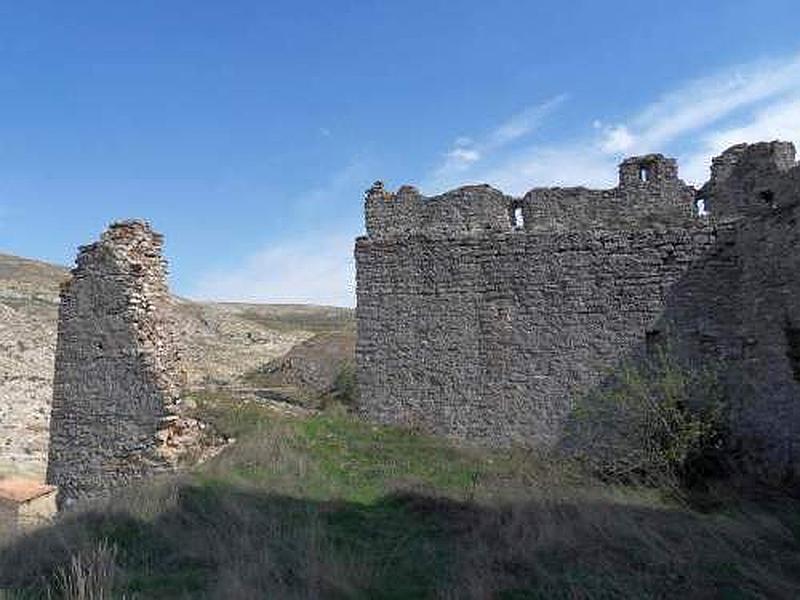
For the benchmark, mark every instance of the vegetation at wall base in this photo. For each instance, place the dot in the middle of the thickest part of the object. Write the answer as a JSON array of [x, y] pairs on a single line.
[[655, 421], [345, 385], [332, 507]]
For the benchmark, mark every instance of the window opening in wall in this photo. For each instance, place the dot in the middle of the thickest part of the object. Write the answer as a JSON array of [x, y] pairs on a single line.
[[644, 173], [792, 333], [519, 220], [768, 197], [700, 205], [653, 341]]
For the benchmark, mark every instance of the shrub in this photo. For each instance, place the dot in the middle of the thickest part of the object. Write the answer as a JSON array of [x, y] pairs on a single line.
[[345, 385], [655, 421]]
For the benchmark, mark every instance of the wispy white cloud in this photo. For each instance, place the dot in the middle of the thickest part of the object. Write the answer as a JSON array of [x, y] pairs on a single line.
[[467, 152], [566, 165], [694, 121], [702, 104], [463, 156], [315, 269], [523, 123], [778, 120], [616, 139]]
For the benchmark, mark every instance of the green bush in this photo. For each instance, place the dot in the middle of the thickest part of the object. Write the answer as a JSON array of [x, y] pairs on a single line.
[[345, 385], [655, 421]]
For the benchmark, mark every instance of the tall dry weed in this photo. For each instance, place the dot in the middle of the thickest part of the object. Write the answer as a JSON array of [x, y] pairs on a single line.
[[90, 575]]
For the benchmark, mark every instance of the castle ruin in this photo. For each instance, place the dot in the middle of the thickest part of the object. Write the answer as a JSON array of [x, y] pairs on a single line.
[[116, 413], [484, 317]]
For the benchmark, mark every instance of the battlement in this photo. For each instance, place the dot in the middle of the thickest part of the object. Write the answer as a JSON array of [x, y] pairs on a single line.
[[649, 193], [651, 171], [486, 317], [748, 179], [464, 211]]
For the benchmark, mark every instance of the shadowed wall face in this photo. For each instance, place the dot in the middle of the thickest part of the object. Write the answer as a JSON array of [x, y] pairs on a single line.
[[490, 332], [490, 339], [739, 305], [482, 316], [117, 371]]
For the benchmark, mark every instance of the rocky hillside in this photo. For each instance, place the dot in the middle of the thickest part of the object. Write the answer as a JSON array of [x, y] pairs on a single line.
[[223, 341], [314, 371], [28, 313]]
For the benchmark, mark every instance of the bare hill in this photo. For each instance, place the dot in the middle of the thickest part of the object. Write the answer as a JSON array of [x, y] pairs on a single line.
[[223, 341], [312, 372], [227, 340], [28, 313]]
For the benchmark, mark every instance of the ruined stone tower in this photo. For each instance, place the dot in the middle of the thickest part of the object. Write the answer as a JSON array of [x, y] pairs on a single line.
[[485, 317], [116, 413]]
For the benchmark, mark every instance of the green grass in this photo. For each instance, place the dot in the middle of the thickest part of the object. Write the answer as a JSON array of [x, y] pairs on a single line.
[[331, 507], [338, 457]]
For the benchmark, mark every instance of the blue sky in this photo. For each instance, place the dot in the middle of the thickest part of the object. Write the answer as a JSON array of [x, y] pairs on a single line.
[[246, 132]]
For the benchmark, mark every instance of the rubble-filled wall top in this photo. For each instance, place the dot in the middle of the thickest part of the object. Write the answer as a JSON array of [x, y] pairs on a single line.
[[649, 194]]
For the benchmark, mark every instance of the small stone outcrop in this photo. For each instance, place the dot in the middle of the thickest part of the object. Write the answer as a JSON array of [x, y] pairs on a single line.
[[117, 413]]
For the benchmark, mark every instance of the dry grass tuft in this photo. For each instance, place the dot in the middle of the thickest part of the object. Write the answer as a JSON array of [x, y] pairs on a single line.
[[90, 575]]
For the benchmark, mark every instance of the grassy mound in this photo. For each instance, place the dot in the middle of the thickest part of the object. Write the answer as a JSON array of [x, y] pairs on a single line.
[[330, 507]]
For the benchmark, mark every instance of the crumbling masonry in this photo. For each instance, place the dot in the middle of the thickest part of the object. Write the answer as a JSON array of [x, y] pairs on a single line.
[[117, 414], [485, 317]]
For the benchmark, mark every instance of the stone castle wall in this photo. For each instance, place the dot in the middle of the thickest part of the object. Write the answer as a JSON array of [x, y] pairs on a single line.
[[465, 211], [491, 331], [491, 339], [116, 407], [747, 179], [649, 194], [739, 305]]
